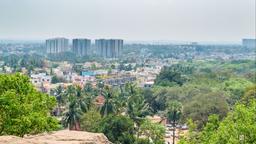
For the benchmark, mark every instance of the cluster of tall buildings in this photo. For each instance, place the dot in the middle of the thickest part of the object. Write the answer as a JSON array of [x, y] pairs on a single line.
[[249, 43], [106, 48]]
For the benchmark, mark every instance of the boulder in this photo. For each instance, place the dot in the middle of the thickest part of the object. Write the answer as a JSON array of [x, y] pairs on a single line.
[[58, 137]]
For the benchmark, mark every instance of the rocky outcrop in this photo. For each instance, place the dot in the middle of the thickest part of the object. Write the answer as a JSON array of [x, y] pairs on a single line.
[[58, 137]]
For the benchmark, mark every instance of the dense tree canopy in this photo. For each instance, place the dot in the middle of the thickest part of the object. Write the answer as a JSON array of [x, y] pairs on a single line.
[[90, 121], [169, 77], [203, 105], [118, 129], [238, 127], [153, 132], [24, 110]]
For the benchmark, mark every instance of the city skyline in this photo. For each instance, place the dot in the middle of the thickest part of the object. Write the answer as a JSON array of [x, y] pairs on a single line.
[[140, 20]]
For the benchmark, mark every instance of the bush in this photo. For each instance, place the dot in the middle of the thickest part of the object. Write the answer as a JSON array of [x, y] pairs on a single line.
[[23, 109]]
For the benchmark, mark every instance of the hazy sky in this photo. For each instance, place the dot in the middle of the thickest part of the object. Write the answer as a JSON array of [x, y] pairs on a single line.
[[188, 20]]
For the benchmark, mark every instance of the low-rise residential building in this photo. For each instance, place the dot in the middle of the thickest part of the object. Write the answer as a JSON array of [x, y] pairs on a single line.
[[119, 80], [38, 79]]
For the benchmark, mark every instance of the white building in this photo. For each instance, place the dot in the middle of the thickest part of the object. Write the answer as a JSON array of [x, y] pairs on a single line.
[[38, 79], [249, 43], [56, 45], [109, 48], [81, 47]]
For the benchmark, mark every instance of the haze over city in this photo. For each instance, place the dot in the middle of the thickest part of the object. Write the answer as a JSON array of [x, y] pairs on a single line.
[[132, 20], [128, 71]]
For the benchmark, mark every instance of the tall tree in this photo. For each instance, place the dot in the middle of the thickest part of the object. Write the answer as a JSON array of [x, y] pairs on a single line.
[[83, 99], [203, 105], [109, 104], [23, 109], [78, 103], [60, 97], [174, 113], [137, 108], [169, 77], [73, 114], [154, 132], [90, 120], [118, 129]]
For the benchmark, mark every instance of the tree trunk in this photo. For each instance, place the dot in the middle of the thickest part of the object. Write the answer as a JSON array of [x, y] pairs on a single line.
[[174, 128], [173, 132], [75, 127]]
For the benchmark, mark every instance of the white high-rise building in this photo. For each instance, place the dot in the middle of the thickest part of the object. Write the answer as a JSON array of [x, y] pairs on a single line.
[[109, 48], [81, 47], [249, 43], [56, 45]]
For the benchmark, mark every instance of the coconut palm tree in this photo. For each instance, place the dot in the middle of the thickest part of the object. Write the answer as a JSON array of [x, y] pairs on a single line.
[[88, 88], [131, 89], [137, 110], [121, 100], [83, 99], [60, 97], [109, 104], [78, 103], [73, 115], [174, 113]]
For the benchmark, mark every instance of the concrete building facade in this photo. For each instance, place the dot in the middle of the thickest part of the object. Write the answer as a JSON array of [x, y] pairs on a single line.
[[56, 45], [109, 48], [249, 43], [81, 47]]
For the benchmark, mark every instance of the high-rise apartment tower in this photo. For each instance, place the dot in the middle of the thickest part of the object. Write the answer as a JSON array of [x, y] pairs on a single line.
[[56, 45], [109, 48], [81, 47]]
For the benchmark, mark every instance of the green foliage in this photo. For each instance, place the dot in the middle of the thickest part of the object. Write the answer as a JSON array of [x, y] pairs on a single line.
[[137, 108], [210, 128], [90, 121], [156, 98], [78, 103], [235, 66], [27, 61], [88, 87], [73, 115], [118, 129], [250, 94], [169, 77], [153, 132], [71, 57], [56, 79], [78, 68], [192, 136], [64, 56], [198, 100], [124, 67], [203, 105], [112, 66], [60, 97], [54, 65], [174, 111], [236, 87], [238, 127], [109, 106], [24, 110]]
